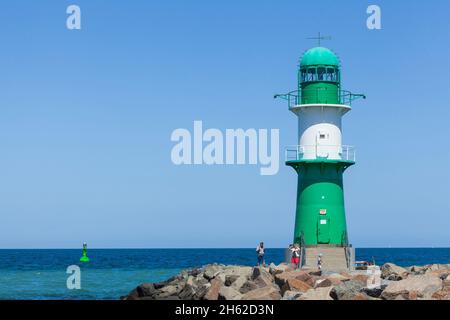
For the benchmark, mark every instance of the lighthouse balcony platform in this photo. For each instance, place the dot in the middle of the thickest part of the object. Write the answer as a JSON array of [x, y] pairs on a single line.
[[325, 153], [319, 96]]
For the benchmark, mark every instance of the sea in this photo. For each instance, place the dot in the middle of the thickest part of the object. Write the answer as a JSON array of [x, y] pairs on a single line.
[[111, 273]]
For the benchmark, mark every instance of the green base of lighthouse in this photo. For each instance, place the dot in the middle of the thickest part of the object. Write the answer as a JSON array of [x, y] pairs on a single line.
[[320, 214]]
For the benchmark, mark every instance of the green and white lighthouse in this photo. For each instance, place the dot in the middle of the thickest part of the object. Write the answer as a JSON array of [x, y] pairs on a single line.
[[319, 156]]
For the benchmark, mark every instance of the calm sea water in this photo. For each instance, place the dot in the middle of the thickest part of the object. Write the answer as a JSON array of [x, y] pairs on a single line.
[[41, 274]]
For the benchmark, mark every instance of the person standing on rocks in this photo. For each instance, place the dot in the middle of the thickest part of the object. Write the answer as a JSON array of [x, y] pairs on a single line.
[[319, 261], [295, 250], [260, 254]]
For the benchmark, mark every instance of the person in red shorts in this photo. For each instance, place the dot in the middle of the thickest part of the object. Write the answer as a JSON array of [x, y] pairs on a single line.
[[295, 258]]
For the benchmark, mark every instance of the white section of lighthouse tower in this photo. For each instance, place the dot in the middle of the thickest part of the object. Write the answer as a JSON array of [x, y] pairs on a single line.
[[320, 131]]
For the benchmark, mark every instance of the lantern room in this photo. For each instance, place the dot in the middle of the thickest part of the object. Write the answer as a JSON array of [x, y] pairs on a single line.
[[319, 77]]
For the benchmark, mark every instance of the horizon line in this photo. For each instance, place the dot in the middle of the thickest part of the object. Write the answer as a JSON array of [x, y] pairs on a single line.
[[202, 248]]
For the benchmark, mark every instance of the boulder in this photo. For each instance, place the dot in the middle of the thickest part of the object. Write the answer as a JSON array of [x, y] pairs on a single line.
[[317, 294], [264, 293], [133, 295], [315, 273], [447, 281], [157, 291], [187, 293], [177, 278], [200, 281], [361, 296], [190, 281], [238, 270], [437, 267], [167, 291], [229, 293], [201, 291], [221, 275], [281, 278], [239, 283], [291, 295], [211, 271], [307, 278], [442, 294], [385, 283], [229, 279], [194, 272], [347, 290], [418, 270], [393, 272], [320, 283], [272, 267], [236, 276], [146, 290], [159, 285], [440, 270], [363, 278], [412, 295], [213, 291], [336, 278], [422, 286], [346, 275], [279, 269], [444, 275], [295, 285], [248, 286], [261, 277], [373, 292], [256, 272]]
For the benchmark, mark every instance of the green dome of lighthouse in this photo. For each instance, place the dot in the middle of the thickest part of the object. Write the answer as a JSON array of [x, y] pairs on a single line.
[[319, 56]]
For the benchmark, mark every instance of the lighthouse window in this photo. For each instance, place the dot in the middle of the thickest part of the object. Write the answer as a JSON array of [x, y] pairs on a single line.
[[331, 74], [321, 73], [312, 75], [322, 136], [303, 75]]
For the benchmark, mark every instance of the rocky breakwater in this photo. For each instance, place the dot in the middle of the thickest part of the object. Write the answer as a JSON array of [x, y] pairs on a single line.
[[283, 282]]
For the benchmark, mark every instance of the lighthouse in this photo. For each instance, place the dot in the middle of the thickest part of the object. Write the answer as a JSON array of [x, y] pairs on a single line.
[[320, 159]]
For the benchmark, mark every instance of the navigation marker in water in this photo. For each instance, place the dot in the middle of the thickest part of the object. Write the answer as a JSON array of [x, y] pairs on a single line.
[[84, 257]]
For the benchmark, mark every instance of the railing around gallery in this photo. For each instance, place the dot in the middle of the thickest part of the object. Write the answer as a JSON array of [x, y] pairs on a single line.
[[318, 95], [316, 152]]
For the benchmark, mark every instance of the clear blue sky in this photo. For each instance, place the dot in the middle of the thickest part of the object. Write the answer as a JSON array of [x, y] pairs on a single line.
[[86, 118]]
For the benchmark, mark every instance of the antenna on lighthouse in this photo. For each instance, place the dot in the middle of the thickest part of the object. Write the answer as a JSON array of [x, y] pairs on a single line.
[[319, 38]]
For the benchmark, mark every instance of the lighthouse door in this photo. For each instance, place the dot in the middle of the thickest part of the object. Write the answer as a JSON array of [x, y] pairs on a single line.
[[323, 230]]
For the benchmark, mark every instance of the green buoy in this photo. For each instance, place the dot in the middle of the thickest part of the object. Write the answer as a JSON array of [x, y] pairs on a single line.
[[84, 257]]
